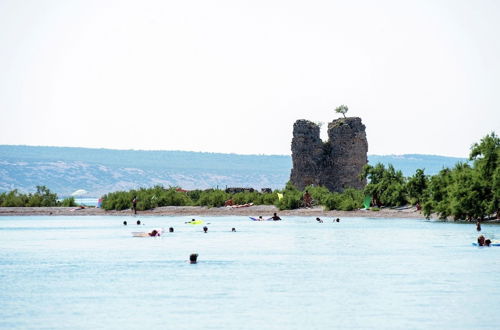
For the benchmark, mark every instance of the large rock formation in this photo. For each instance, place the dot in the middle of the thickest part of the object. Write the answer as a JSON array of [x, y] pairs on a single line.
[[335, 164]]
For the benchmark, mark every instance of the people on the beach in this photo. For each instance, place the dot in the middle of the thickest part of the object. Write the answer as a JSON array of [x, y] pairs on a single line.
[[124, 223], [193, 258], [229, 202], [171, 229], [154, 233], [275, 217], [478, 226], [134, 205], [307, 199], [205, 229], [319, 220]]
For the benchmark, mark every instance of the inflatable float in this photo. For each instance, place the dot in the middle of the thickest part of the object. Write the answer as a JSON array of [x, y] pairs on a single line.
[[195, 222], [140, 234], [257, 219], [159, 231]]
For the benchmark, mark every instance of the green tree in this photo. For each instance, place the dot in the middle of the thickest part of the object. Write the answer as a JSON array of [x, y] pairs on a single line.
[[386, 186], [486, 157], [342, 109], [416, 186]]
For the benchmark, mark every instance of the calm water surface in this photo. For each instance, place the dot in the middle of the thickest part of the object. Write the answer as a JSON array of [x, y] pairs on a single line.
[[361, 273]]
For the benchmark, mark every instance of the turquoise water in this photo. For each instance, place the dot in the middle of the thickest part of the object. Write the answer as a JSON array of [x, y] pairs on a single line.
[[89, 272]]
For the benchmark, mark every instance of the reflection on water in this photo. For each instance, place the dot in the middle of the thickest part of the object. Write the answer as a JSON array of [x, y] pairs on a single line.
[[89, 272]]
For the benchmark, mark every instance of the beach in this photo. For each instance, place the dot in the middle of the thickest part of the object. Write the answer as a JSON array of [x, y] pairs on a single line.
[[256, 210]]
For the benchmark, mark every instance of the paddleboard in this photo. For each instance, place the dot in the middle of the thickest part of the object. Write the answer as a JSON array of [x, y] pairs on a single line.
[[492, 244], [140, 234], [257, 219]]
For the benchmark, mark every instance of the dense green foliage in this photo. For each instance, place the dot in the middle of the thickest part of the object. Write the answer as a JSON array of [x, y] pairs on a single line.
[[42, 197], [463, 192], [468, 192], [148, 198], [291, 198]]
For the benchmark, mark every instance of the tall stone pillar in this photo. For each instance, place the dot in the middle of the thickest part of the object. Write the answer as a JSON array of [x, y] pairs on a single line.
[[335, 164]]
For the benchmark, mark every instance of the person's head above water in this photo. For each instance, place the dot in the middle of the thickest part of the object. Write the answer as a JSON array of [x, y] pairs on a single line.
[[480, 240], [124, 223], [138, 222], [193, 258], [233, 229], [171, 229], [487, 242], [205, 229]]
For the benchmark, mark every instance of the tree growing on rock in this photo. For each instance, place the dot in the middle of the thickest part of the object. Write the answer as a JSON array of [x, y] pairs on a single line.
[[342, 109]]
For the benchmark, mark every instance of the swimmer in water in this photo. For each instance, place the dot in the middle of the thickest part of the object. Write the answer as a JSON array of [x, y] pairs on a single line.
[[275, 217], [154, 233]]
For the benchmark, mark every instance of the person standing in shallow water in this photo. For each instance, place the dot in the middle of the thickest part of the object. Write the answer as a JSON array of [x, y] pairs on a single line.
[[478, 226], [134, 205], [307, 199], [275, 217]]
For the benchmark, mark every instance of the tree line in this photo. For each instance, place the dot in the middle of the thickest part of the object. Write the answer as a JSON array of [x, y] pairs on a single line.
[[469, 190], [42, 197]]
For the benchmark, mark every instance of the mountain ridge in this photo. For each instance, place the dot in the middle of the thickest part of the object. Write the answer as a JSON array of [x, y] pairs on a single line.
[[100, 170]]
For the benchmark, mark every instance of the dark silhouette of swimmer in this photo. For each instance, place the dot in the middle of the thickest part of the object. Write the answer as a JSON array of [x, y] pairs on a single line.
[[319, 220], [193, 258], [171, 229], [480, 240], [138, 222], [154, 233], [205, 229], [275, 217], [233, 229], [338, 220], [487, 242], [478, 226], [124, 223]]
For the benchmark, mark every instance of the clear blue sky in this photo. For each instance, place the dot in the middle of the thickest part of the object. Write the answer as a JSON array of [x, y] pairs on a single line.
[[233, 76]]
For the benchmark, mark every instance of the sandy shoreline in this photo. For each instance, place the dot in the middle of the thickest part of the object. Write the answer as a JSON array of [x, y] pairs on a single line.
[[264, 210]]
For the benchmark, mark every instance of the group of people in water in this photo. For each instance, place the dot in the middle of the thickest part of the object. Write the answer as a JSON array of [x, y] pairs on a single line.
[[481, 240], [321, 221]]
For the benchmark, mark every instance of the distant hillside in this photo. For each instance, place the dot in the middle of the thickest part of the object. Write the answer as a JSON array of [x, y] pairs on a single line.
[[99, 171]]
